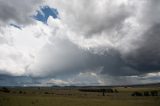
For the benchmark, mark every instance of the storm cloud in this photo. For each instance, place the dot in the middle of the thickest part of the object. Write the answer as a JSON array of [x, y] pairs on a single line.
[[146, 58], [114, 41]]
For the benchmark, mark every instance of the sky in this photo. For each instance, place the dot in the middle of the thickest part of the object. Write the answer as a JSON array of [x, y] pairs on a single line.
[[79, 42]]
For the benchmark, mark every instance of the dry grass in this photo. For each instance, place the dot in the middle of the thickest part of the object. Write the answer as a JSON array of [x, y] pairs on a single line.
[[36, 97]]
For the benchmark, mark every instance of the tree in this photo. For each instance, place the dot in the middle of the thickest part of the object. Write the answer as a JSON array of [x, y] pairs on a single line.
[[4, 89], [103, 92], [146, 93], [154, 93], [116, 91], [136, 94]]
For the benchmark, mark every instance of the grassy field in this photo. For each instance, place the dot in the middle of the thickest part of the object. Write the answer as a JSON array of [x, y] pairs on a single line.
[[73, 97]]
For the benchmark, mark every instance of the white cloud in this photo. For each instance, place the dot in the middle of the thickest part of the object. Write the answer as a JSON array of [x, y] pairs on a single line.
[[21, 47]]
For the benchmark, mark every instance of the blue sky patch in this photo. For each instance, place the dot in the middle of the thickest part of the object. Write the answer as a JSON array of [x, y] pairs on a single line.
[[44, 13]]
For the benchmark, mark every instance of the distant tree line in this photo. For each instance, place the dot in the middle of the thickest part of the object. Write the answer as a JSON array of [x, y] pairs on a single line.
[[99, 90], [146, 93]]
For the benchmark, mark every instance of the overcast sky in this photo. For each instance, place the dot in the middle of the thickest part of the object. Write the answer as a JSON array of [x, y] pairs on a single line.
[[79, 42]]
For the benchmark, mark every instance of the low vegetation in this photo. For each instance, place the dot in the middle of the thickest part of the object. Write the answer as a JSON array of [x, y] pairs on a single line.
[[63, 96], [4, 89], [146, 93]]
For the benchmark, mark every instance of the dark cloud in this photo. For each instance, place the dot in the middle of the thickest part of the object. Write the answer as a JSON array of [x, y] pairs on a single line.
[[146, 58], [7, 80], [17, 11], [64, 57], [77, 79]]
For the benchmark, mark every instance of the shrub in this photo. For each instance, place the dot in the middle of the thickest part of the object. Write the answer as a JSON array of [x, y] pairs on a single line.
[[20, 92], [136, 94], [46, 92], [146, 93], [6, 90], [154, 93], [116, 91]]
